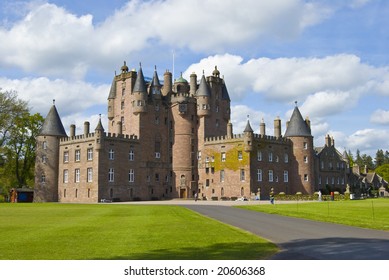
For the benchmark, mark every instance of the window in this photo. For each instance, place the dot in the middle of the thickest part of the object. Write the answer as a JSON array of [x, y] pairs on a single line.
[[259, 155], [207, 182], [111, 175], [199, 155], [44, 145], [122, 104], [270, 156], [43, 178], [131, 176], [77, 175], [271, 179], [156, 177], [66, 156], [306, 177], [319, 180], [221, 175], [242, 175], [286, 158], [305, 145], [44, 159], [90, 154], [89, 172], [66, 176], [111, 154], [259, 175], [223, 156], [131, 155], [286, 176], [77, 156], [240, 155], [305, 159], [322, 164], [157, 155]]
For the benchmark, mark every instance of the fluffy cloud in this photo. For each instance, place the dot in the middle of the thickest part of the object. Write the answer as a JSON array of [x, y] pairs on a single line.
[[380, 117], [333, 79], [367, 140], [71, 97], [52, 41]]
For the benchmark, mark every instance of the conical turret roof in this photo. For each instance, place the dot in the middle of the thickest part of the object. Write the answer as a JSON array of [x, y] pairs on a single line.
[[248, 127], [297, 126], [52, 126], [99, 125], [140, 85], [203, 89], [112, 91]]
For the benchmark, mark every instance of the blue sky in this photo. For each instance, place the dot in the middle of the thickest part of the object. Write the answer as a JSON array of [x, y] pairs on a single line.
[[330, 56]]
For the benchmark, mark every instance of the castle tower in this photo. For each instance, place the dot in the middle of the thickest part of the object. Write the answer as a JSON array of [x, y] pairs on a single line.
[[299, 133], [184, 144], [248, 137], [140, 94], [277, 127], [155, 87], [167, 83], [47, 158], [99, 134], [262, 128]]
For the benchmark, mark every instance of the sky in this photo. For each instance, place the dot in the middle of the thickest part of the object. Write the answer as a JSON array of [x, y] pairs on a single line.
[[329, 56]]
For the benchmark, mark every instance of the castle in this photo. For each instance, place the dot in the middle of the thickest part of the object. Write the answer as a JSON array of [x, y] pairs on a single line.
[[175, 140]]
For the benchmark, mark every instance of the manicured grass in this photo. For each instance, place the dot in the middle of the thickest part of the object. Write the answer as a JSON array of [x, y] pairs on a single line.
[[370, 213], [118, 231]]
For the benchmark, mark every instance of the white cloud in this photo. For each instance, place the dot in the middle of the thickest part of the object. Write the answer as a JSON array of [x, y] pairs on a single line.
[[380, 117], [52, 41], [368, 140], [343, 77], [71, 97]]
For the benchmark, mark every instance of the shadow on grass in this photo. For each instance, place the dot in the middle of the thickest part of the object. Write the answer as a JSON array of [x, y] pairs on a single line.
[[222, 251], [334, 249]]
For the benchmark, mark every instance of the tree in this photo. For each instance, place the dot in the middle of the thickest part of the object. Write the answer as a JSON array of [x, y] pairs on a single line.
[[379, 158], [20, 149], [10, 108], [383, 171]]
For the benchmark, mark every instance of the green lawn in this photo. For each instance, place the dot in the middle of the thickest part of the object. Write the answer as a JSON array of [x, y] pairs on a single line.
[[118, 231], [370, 213]]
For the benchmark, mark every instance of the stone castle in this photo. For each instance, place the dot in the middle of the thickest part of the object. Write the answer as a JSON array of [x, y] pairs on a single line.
[[175, 140]]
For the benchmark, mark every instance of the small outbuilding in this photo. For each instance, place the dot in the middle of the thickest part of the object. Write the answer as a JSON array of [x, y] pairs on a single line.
[[21, 195]]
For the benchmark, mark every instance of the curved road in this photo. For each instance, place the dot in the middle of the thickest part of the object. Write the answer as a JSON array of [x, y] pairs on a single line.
[[304, 239]]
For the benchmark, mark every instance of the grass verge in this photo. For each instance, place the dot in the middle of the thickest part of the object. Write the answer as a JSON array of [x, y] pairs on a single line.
[[370, 213], [117, 231]]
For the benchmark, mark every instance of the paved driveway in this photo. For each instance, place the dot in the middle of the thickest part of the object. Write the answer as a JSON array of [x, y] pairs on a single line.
[[304, 239]]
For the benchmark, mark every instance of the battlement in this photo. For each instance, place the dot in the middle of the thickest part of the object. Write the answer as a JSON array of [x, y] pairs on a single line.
[[267, 138], [92, 136]]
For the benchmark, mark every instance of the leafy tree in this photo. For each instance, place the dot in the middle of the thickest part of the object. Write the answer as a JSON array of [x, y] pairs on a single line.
[[10, 107], [383, 171], [351, 158], [379, 158], [20, 149]]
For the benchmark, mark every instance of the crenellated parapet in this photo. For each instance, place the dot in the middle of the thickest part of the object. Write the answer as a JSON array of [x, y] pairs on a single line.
[[240, 137], [92, 136]]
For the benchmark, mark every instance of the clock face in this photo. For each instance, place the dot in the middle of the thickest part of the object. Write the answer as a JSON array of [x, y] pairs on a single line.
[[182, 107]]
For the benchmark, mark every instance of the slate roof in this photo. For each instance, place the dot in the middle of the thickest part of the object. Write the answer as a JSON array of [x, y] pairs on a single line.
[[112, 91], [52, 126], [203, 89], [140, 85], [297, 126], [248, 127]]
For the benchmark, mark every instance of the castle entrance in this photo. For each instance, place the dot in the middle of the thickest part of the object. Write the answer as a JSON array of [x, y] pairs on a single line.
[[183, 193]]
